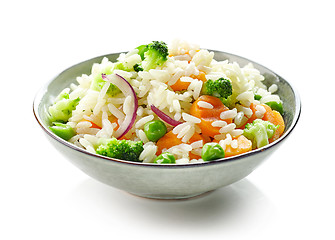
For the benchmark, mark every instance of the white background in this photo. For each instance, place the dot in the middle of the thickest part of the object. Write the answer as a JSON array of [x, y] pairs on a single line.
[[43, 196]]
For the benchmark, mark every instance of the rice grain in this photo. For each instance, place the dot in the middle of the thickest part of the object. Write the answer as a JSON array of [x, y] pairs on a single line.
[[143, 121], [204, 104], [189, 118]]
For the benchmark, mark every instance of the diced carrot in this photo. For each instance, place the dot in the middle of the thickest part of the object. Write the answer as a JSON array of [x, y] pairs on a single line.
[[180, 85], [167, 141], [196, 137], [170, 139], [193, 156], [243, 145], [201, 76], [208, 116], [276, 118]]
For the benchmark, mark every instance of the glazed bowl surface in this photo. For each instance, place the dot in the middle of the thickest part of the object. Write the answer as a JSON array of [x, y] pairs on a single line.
[[165, 181]]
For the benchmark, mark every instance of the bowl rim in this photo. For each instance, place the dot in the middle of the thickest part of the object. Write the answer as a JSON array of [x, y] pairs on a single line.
[[43, 90]]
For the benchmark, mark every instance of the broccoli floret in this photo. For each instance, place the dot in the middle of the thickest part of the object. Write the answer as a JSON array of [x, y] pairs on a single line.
[[121, 149], [63, 130], [229, 101], [141, 50], [220, 88], [137, 67], [259, 132], [276, 106], [62, 108], [154, 54]]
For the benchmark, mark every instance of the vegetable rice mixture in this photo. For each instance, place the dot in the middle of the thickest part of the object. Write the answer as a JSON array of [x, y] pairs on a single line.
[[168, 105]]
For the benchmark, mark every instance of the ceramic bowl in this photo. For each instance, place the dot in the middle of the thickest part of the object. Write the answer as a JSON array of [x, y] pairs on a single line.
[[164, 181]]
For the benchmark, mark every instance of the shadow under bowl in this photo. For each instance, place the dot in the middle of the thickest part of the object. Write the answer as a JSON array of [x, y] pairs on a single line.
[[170, 181]]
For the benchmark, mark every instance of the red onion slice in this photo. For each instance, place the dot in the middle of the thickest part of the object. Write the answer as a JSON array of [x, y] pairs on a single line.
[[127, 90], [164, 117]]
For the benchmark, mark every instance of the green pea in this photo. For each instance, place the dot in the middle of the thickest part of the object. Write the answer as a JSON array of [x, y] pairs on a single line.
[[165, 157], [154, 130], [276, 106], [62, 130], [212, 151]]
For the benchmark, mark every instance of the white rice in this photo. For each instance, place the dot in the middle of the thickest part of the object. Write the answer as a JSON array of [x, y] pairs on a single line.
[[107, 128], [229, 114], [128, 105], [84, 124], [270, 98], [183, 131], [180, 72], [178, 128], [240, 119], [234, 144], [186, 79], [236, 132], [273, 88], [148, 154], [82, 142], [153, 87], [219, 123], [197, 144], [189, 118], [228, 128], [115, 111], [187, 136], [260, 111], [143, 121], [246, 110], [226, 141], [182, 161], [204, 104], [142, 136], [177, 116]]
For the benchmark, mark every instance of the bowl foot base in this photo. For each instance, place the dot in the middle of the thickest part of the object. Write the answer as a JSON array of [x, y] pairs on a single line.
[[172, 197]]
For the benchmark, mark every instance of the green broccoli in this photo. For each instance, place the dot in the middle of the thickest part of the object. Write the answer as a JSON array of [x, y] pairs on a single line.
[[137, 67], [141, 50], [121, 149], [276, 106], [259, 132], [62, 108], [229, 101], [63, 130], [220, 88], [153, 55]]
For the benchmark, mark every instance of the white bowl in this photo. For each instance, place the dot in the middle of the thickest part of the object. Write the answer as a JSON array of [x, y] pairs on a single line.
[[171, 181]]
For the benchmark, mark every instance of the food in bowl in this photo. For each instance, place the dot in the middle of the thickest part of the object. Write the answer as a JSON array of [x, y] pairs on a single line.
[[171, 104]]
